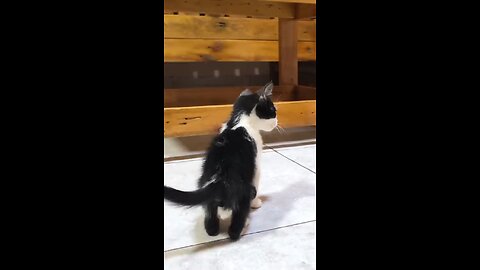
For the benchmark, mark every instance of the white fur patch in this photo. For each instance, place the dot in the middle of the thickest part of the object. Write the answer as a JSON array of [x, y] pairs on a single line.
[[214, 178], [224, 213], [224, 126]]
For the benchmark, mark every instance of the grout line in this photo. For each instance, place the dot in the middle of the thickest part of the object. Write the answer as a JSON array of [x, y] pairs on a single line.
[[247, 234], [305, 143], [281, 227], [292, 160]]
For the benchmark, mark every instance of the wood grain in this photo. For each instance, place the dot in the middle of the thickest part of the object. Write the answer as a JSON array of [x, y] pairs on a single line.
[[296, 113], [199, 50], [288, 59], [205, 27], [189, 121], [232, 7], [305, 11], [293, 1]]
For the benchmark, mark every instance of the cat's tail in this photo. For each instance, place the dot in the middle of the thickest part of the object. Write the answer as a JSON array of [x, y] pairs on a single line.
[[190, 198]]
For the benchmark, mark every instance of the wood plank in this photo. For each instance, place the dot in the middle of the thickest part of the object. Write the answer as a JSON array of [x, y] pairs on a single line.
[[305, 93], [198, 50], [205, 27], [296, 113], [293, 1], [232, 7], [189, 121], [217, 95], [305, 11], [288, 59], [307, 30]]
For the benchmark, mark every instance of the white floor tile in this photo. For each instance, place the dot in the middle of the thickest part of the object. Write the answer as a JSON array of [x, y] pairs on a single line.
[[286, 248], [288, 191], [305, 155]]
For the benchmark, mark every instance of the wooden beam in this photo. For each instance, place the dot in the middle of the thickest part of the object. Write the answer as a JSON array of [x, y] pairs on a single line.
[[305, 11], [296, 113], [205, 27], [189, 121], [218, 95], [305, 93], [293, 1], [288, 52], [199, 50], [232, 7]]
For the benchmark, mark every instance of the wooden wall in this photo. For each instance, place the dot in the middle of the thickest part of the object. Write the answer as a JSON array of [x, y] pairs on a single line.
[[202, 38]]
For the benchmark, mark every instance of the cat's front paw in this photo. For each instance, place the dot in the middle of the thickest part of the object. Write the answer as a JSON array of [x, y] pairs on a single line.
[[256, 203]]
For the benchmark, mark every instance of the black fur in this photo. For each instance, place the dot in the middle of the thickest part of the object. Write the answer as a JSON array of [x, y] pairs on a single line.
[[265, 109], [244, 104], [230, 164]]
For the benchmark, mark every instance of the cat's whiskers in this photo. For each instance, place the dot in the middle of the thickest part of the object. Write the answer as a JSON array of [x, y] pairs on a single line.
[[280, 129]]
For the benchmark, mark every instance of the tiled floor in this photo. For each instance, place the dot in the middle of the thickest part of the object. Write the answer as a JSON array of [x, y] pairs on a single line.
[[281, 234]]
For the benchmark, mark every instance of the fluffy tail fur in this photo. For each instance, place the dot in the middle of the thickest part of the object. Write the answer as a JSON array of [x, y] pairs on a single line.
[[189, 198]]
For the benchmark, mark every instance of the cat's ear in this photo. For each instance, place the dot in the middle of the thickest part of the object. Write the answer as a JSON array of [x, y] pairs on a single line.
[[246, 92], [266, 90]]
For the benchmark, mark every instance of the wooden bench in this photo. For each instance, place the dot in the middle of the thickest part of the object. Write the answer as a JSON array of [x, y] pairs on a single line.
[[236, 31]]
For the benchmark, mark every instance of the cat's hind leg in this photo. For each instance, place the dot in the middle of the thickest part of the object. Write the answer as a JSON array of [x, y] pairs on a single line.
[[239, 218], [212, 223], [245, 228]]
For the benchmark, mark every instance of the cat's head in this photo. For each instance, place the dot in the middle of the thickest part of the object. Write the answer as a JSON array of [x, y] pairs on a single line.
[[257, 108]]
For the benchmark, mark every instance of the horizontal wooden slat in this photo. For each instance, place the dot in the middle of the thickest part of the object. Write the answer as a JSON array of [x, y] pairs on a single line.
[[218, 95], [305, 11], [232, 7], [189, 121], [197, 50], [293, 1], [205, 27], [296, 113]]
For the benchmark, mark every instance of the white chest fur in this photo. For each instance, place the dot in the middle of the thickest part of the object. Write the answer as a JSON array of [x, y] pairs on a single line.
[[255, 135]]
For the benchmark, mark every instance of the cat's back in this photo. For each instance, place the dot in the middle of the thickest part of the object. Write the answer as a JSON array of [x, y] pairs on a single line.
[[233, 141], [231, 150], [230, 160]]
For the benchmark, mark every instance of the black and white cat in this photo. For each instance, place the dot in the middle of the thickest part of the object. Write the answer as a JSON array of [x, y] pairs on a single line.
[[231, 172]]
